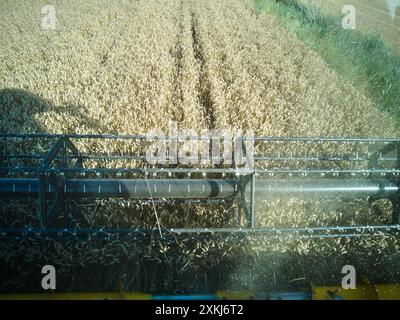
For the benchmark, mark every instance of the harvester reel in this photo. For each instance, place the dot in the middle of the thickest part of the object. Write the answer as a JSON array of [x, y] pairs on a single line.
[[69, 172]]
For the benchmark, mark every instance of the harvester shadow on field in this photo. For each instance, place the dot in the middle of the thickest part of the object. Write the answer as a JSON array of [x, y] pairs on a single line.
[[20, 109]]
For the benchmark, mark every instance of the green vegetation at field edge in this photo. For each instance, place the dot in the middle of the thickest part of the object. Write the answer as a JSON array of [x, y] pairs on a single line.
[[365, 60]]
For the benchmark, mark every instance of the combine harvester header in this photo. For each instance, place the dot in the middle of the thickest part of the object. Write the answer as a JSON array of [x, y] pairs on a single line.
[[55, 169]]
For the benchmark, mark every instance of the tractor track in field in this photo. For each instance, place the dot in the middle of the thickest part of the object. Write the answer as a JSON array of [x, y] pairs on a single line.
[[204, 83], [177, 53]]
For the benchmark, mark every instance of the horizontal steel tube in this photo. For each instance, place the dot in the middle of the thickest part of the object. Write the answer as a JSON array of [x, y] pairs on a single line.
[[326, 187], [200, 188], [126, 188]]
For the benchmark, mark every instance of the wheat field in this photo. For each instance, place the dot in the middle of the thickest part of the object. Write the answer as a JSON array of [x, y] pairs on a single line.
[[130, 66]]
